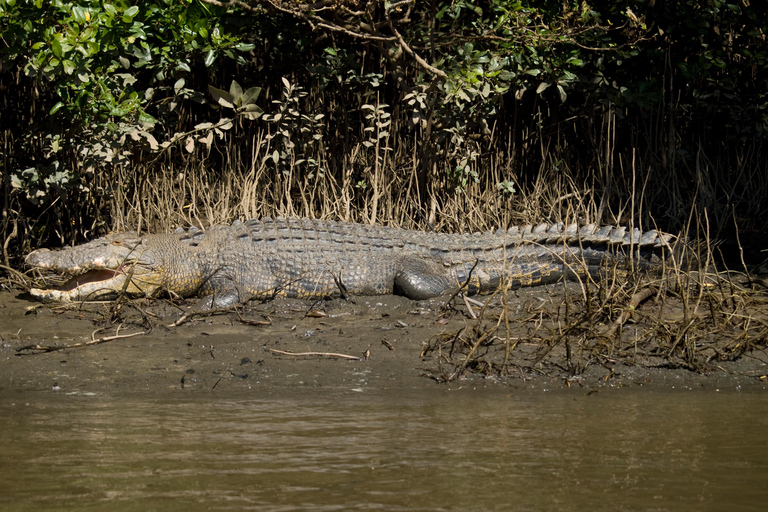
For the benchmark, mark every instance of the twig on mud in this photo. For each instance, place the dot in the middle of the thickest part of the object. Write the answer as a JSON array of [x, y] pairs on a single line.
[[93, 341], [477, 303], [190, 315], [222, 376], [186, 316], [218, 311], [469, 301], [252, 322], [309, 354], [472, 314], [634, 302]]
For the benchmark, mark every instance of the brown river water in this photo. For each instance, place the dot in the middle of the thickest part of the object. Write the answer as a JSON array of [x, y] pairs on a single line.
[[428, 449]]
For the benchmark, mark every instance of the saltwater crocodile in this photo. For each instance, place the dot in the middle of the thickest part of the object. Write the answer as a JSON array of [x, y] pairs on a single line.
[[314, 259]]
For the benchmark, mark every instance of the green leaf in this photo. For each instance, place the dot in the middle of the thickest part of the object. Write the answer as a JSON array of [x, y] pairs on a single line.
[[86, 34], [69, 67], [93, 48], [252, 112], [131, 11], [209, 58], [56, 47], [126, 79], [110, 10], [138, 31], [119, 110], [563, 95], [223, 98], [236, 91], [146, 118], [66, 45], [56, 108], [251, 95], [78, 13]]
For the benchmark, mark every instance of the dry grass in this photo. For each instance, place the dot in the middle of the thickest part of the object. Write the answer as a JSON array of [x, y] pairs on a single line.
[[356, 191]]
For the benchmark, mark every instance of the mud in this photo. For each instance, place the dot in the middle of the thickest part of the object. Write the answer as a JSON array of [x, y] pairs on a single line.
[[401, 344]]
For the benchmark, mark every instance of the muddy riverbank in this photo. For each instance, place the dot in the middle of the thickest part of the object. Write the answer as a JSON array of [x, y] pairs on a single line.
[[373, 343]]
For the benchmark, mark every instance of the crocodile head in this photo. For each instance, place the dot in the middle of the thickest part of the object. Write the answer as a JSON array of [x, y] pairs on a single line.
[[123, 263]]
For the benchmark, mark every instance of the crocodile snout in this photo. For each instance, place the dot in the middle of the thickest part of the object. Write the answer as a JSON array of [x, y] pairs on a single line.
[[39, 258]]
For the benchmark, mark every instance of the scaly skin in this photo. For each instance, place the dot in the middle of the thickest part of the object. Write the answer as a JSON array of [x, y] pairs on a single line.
[[314, 259]]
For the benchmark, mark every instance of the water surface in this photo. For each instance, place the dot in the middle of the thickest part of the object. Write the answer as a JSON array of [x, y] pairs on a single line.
[[392, 450]]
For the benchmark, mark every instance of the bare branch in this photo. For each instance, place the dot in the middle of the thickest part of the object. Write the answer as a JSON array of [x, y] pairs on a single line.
[[417, 57]]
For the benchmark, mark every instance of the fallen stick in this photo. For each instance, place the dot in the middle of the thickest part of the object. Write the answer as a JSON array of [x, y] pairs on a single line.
[[222, 376], [307, 354], [93, 341]]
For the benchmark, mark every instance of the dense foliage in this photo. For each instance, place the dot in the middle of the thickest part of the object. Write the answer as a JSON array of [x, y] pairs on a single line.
[[610, 99]]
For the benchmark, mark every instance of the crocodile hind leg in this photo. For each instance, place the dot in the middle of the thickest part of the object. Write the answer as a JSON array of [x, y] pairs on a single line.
[[422, 278]]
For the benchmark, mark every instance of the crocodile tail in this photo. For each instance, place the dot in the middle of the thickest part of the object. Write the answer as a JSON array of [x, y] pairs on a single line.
[[589, 233]]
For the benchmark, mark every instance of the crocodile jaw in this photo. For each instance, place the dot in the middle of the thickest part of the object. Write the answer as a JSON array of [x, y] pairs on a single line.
[[101, 284], [121, 270]]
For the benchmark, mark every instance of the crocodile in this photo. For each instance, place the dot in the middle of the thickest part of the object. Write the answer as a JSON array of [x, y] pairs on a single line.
[[311, 259]]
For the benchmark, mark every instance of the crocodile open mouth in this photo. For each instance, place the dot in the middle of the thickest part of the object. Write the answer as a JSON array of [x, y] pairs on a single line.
[[95, 284], [92, 276]]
